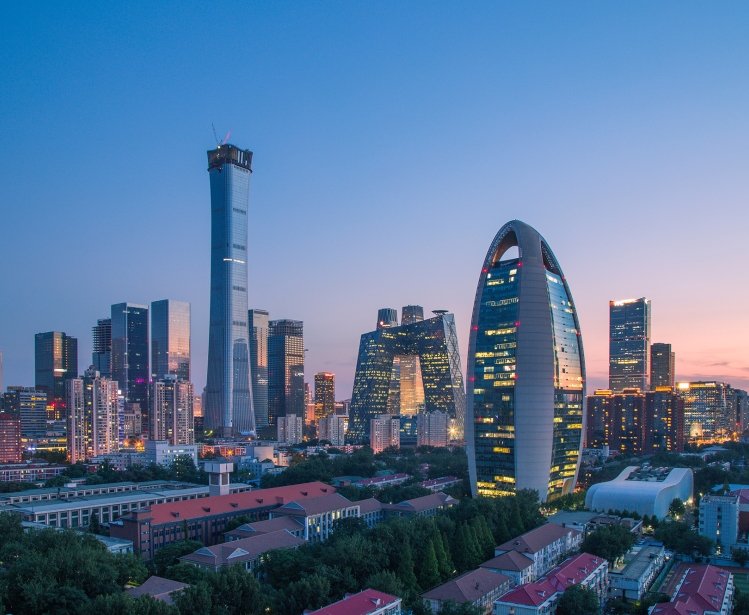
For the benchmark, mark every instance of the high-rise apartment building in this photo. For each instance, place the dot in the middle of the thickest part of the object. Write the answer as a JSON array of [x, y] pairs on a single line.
[[228, 396], [10, 438], [285, 369], [130, 355], [629, 344], [171, 413], [742, 409], [526, 373], [324, 395], [258, 324], [664, 421], [101, 357], [408, 368], [384, 432], [662, 366], [170, 339], [93, 421], [709, 411], [290, 428], [56, 360], [30, 405], [432, 429], [333, 429]]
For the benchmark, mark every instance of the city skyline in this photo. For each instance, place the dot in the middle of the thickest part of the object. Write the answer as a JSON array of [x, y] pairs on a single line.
[[660, 140]]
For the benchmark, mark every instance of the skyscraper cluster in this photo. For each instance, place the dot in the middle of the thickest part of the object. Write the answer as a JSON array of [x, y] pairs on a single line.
[[645, 410]]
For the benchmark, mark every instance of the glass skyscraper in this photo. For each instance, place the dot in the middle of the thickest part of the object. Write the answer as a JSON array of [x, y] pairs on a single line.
[[526, 372], [228, 394], [662, 366], [258, 324], [101, 357], [324, 395], [285, 369], [391, 353], [56, 360], [170, 339], [130, 355], [629, 343]]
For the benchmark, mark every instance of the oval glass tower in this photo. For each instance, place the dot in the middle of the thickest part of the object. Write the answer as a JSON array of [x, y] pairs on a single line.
[[526, 372]]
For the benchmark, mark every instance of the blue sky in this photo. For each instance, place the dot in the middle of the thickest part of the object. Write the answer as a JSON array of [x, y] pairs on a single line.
[[392, 140]]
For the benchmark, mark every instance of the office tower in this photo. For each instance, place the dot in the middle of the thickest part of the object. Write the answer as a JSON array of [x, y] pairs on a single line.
[[599, 413], [30, 405], [333, 429], [170, 339], [171, 413], [197, 406], [130, 355], [258, 324], [709, 414], [384, 432], [2, 373], [93, 421], [432, 429], [285, 369], [526, 372], [10, 438], [56, 360], [324, 395], [290, 428], [101, 357], [664, 421], [662, 366], [742, 409], [629, 343], [382, 385]]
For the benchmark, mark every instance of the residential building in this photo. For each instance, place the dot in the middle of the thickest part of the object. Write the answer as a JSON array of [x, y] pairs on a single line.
[[438, 484], [247, 552], [719, 519], [629, 344], [709, 414], [518, 567], [10, 438], [432, 429], [36, 472], [333, 429], [130, 355], [172, 410], [30, 405], [246, 530], [662, 366], [159, 588], [384, 432], [324, 395], [367, 602], [164, 452], [257, 321], [56, 360], [479, 588], [701, 590], [545, 545], [526, 372], [664, 420], [371, 512], [408, 368], [170, 339], [228, 395], [642, 489], [318, 515], [290, 428], [636, 574], [541, 597], [92, 421], [380, 482], [101, 357], [285, 369]]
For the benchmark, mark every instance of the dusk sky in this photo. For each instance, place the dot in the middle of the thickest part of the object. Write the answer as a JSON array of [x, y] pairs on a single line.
[[391, 141]]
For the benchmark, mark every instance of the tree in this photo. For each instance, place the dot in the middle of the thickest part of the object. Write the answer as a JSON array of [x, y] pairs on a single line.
[[170, 554], [678, 536], [386, 581], [578, 600], [451, 608], [429, 574], [740, 556], [609, 542], [676, 509]]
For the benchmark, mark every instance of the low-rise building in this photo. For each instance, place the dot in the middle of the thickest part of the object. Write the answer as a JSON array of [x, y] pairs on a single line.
[[367, 602], [479, 588], [639, 569], [518, 567], [545, 545], [247, 552], [438, 484], [371, 511], [644, 490], [158, 588], [380, 482], [424, 506], [289, 524], [701, 590], [542, 596], [36, 472], [318, 515]]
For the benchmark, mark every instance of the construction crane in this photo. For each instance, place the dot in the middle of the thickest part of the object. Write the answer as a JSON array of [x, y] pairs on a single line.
[[215, 136]]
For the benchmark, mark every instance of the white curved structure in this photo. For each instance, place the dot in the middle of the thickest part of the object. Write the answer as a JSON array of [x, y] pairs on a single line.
[[647, 492], [526, 372]]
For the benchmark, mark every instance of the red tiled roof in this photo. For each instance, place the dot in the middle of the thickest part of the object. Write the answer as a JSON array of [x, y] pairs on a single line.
[[221, 504], [535, 540], [363, 603], [369, 505], [571, 572], [315, 506], [511, 560], [468, 587], [702, 589], [245, 549], [743, 495]]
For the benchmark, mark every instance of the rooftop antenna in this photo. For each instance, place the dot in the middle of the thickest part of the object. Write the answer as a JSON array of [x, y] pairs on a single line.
[[215, 136]]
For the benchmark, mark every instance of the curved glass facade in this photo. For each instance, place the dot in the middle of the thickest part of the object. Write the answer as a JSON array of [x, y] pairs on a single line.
[[525, 372]]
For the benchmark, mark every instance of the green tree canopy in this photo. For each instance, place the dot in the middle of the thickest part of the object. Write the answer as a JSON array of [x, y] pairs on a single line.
[[578, 600]]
